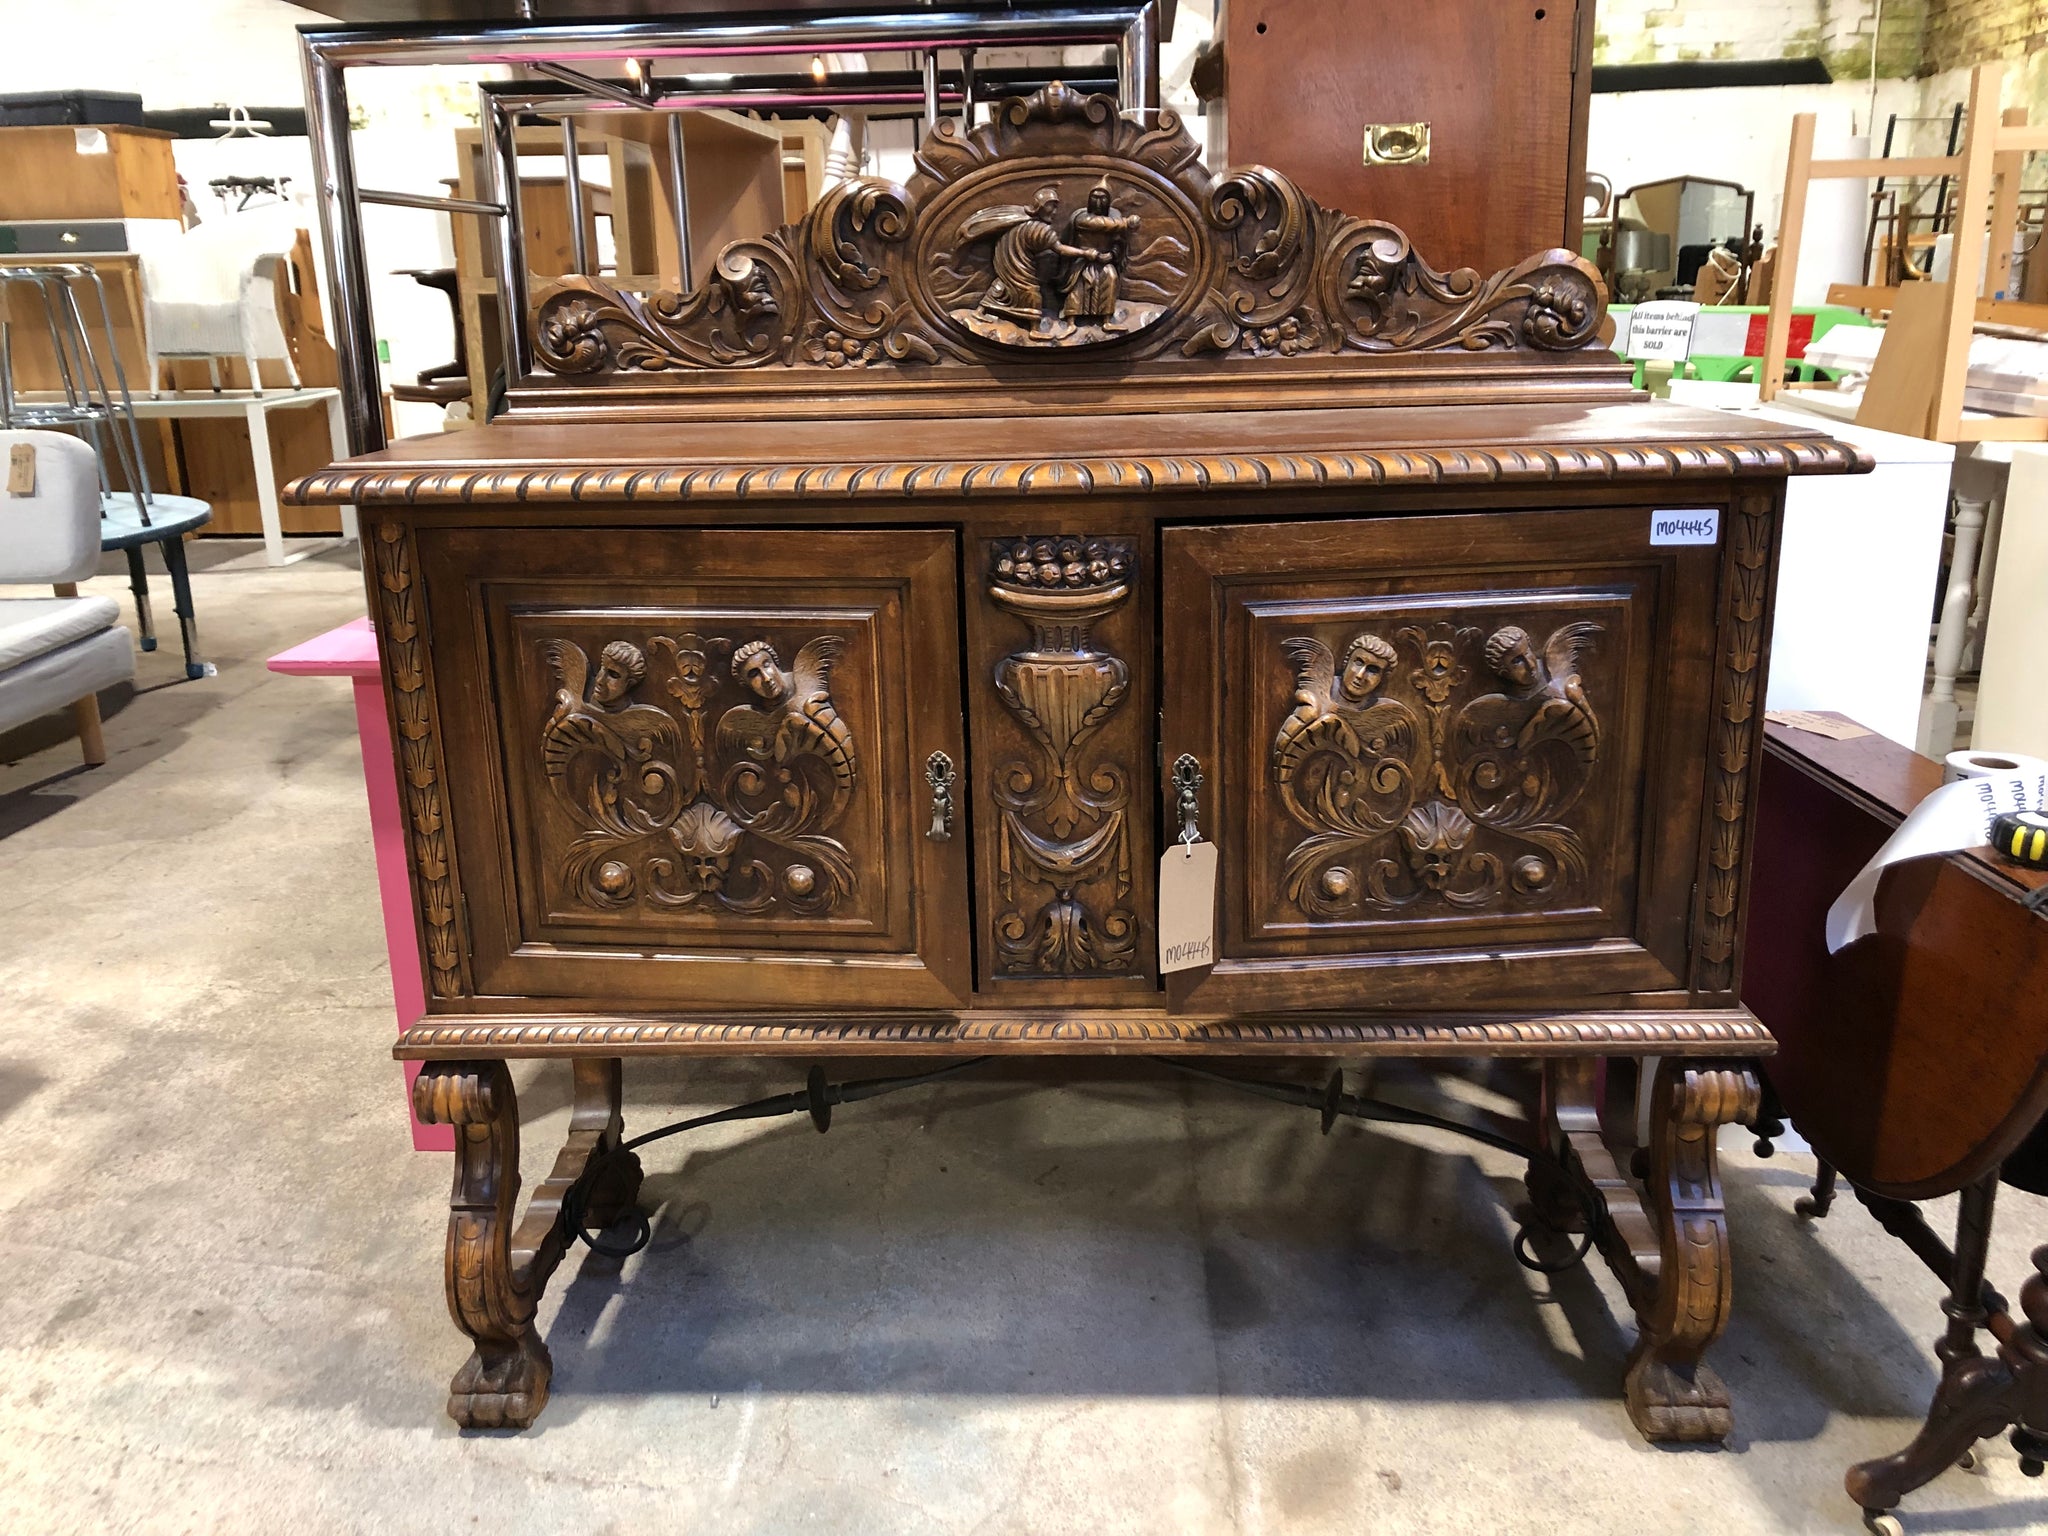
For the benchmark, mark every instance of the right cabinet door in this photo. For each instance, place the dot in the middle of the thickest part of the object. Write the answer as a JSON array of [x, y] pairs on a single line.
[[1448, 761]]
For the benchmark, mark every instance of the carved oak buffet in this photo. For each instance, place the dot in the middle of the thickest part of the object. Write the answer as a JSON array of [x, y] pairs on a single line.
[[802, 666]]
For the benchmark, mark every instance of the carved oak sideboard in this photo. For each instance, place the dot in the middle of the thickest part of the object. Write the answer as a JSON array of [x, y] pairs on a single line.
[[821, 663]]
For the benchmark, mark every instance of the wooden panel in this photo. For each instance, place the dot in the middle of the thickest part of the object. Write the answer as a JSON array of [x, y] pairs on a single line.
[[1494, 81], [47, 177], [1060, 672], [1433, 743], [707, 763]]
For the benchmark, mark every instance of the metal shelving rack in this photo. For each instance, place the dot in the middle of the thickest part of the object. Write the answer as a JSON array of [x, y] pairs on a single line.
[[556, 49]]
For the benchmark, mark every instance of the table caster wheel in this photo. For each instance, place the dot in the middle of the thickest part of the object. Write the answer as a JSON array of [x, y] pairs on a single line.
[[1882, 1523], [2030, 1467], [1967, 1462]]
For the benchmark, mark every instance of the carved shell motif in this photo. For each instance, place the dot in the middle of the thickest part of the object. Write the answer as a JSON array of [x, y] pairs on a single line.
[[1064, 229]]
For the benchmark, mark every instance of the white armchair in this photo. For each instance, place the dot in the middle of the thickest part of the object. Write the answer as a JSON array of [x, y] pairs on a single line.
[[211, 292], [61, 650]]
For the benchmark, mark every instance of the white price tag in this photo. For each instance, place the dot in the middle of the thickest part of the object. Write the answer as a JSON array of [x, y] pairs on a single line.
[[1661, 331], [1187, 906], [1685, 525]]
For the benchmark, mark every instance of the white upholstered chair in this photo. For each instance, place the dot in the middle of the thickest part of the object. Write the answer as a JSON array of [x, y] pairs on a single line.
[[211, 292], [60, 650]]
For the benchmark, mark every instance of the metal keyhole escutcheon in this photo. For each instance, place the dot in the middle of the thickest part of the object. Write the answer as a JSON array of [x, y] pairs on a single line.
[[1187, 787], [938, 772]]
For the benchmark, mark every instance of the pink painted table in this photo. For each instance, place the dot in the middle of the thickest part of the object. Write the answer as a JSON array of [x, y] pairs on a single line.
[[351, 652]]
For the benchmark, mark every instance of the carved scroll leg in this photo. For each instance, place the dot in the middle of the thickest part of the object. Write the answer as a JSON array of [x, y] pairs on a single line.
[[1672, 1393], [1978, 1395], [496, 1274]]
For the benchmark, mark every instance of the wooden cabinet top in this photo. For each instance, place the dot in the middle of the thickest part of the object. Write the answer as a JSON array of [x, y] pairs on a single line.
[[1387, 446]]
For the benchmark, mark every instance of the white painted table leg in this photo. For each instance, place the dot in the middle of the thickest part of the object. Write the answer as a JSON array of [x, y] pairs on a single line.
[[337, 442], [1938, 715], [2009, 713], [266, 482]]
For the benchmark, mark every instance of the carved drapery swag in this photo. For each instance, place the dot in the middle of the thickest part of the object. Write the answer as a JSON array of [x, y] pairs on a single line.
[[1062, 230]]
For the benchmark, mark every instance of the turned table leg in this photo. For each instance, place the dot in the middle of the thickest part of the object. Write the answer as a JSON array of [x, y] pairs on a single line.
[[1977, 1393], [496, 1272]]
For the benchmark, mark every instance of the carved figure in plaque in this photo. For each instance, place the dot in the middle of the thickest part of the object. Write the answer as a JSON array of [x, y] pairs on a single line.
[[1025, 256], [1054, 288], [1102, 232]]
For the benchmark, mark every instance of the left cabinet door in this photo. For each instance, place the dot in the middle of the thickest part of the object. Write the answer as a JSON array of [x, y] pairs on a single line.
[[689, 767]]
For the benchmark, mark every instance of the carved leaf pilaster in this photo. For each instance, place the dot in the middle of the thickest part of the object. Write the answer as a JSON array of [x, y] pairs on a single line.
[[419, 754], [1737, 726]]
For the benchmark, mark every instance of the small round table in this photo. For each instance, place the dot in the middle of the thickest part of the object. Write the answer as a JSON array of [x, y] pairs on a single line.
[[170, 519]]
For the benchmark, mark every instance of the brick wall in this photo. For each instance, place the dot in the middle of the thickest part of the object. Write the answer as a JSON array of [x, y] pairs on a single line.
[[1965, 32], [1918, 37], [1753, 31]]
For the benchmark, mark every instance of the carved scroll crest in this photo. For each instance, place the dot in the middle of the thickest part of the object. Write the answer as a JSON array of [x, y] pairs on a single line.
[[1062, 228], [724, 797], [1413, 796]]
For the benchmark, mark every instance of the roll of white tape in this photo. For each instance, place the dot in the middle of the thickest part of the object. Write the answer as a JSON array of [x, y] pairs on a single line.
[[1990, 765]]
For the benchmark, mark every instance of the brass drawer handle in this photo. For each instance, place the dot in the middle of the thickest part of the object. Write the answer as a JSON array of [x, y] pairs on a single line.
[[1187, 786], [1397, 143], [938, 772]]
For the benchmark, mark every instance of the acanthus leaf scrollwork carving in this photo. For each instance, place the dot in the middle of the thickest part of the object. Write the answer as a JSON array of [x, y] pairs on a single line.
[[677, 810], [1062, 821], [1427, 793], [1062, 228]]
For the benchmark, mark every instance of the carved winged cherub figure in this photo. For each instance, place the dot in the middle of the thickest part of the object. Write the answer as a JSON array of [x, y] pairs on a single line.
[[612, 760], [1335, 711], [1102, 232], [794, 716], [1562, 712], [1028, 245]]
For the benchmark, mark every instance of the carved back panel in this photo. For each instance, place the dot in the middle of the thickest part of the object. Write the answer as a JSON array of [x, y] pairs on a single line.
[[1064, 245], [1445, 737], [704, 754]]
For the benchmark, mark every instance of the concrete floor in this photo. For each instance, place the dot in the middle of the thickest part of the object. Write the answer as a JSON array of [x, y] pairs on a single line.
[[995, 1305]]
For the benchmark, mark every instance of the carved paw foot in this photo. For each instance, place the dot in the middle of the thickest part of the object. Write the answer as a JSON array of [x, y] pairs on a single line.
[[1683, 1404], [613, 1191], [505, 1388]]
